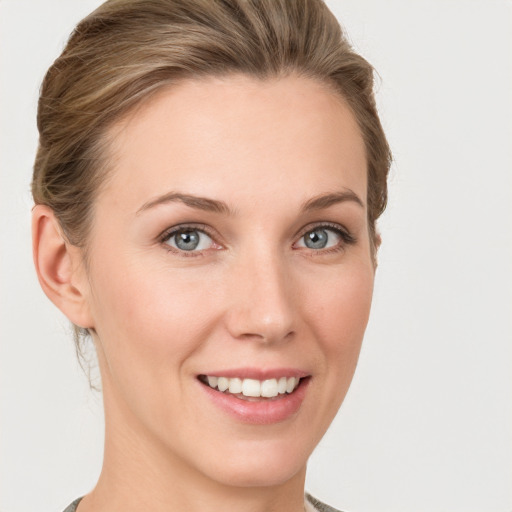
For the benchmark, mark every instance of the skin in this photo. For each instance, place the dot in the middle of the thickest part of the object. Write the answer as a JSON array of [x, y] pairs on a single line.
[[254, 295]]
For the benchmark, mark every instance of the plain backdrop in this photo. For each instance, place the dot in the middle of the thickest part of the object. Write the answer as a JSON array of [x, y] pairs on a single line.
[[427, 424]]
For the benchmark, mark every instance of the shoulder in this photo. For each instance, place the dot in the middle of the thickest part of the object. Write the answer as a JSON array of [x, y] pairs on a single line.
[[317, 506], [72, 507]]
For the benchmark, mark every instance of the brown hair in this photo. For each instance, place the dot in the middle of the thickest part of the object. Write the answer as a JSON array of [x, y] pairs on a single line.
[[128, 49]]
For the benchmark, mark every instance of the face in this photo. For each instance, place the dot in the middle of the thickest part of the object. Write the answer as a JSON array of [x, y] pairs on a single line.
[[230, 249]]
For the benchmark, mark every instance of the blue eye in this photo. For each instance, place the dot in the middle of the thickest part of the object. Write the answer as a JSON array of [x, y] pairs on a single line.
[[186, 239], [321, 237]]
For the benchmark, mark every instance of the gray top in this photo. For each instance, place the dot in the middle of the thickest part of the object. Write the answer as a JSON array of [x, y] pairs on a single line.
[[72, 507], [318, 506]]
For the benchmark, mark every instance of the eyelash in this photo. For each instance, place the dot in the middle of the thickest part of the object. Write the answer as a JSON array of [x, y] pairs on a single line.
[[347, 238]]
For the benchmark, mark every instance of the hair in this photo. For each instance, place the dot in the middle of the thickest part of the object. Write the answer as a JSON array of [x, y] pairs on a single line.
[[126, 50]]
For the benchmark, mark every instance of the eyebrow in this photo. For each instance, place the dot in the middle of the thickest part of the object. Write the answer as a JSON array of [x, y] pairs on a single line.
[[214, 205], [200, 203], [326, 200]]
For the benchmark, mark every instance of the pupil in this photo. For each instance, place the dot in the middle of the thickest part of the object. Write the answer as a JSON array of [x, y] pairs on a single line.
[[316, 239], [187, 241]]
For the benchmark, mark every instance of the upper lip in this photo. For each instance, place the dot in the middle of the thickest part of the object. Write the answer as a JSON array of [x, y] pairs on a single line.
[[257, 373]]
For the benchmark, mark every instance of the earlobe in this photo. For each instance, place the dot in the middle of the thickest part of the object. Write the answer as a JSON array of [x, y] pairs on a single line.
[[58, 267], [376, 245], [378, 241]]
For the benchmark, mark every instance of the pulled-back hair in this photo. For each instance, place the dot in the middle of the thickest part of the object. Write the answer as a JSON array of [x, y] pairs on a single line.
[[126, 50]]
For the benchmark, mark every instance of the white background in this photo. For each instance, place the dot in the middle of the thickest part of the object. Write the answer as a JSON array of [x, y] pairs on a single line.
[[427, 425]]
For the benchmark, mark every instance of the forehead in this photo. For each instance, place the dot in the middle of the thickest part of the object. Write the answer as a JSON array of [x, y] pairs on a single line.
[[239, 134]]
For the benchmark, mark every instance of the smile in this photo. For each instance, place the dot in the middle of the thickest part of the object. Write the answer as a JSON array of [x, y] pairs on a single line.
[[252, 388], [254, 395]]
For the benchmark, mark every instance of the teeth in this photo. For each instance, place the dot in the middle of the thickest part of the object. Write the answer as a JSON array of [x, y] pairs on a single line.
[[251, 387], [223, 383], [269, 388], [235, 385], [290, 385]]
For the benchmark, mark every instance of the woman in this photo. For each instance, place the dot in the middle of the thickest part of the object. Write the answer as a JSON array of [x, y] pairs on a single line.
[[207, 185]]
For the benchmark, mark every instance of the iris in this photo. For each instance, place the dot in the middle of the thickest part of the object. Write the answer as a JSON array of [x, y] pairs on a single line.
[[186, 240], [316, 239]]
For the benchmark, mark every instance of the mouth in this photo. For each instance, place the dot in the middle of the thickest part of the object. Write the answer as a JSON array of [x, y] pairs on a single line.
[[253, 389], [254, 395]]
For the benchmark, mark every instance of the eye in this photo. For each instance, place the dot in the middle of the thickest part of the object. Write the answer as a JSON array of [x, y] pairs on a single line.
[[188, 239], [325, 237]]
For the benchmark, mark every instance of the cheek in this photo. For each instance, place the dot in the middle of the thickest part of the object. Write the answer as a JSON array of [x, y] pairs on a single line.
[[338, 312], [339, 309], [146, 316], [149, 330]]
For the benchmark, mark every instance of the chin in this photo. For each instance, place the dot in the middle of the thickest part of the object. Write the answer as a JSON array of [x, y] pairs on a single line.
[[270, 475], [264, 464]]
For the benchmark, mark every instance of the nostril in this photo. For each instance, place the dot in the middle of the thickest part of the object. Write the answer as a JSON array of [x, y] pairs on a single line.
[[267, 336]]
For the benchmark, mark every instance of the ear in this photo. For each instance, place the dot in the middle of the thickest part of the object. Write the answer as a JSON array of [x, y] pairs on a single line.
[[59, 267], [376, 245], [378, 241]]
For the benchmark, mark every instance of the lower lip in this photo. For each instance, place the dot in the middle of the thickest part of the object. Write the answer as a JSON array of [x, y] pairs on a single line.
[[261, 412]]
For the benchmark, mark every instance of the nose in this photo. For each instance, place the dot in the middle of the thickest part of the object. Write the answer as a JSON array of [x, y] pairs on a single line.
[[261, 299]]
